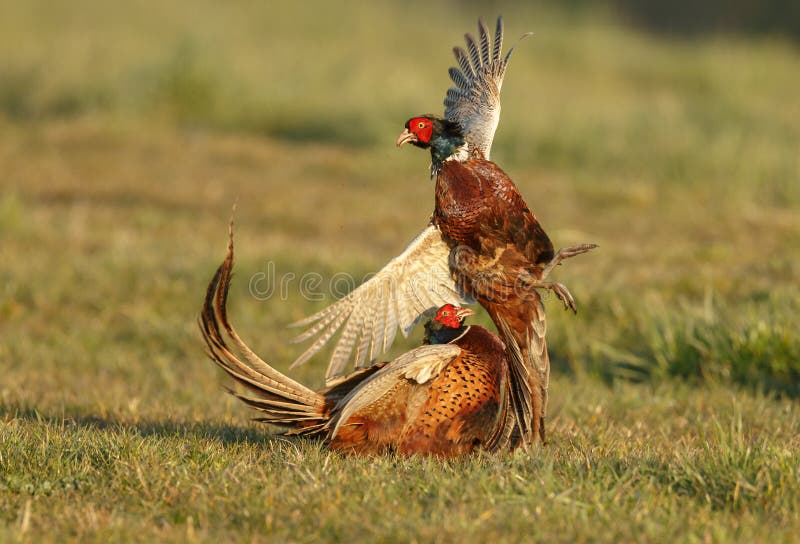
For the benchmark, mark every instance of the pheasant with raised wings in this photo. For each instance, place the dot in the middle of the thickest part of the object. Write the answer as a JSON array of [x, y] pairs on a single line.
[[483, 243], [445, 399]]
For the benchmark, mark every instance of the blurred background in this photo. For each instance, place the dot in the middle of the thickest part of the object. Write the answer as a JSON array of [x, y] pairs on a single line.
[[668, 133]]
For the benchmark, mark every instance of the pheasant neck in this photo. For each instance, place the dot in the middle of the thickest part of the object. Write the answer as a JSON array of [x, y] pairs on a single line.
[[447, 146], [444, 335]]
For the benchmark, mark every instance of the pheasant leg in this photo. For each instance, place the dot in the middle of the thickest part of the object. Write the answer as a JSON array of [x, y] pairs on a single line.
[[558, 288], [565, 253]]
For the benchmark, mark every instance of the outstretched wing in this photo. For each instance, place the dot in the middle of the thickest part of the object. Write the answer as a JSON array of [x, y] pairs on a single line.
[[474, 103], [418, 365], [413, 283]]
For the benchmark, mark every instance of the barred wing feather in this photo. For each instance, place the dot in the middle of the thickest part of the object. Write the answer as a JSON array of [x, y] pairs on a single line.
[[412, 284], [474, 102]]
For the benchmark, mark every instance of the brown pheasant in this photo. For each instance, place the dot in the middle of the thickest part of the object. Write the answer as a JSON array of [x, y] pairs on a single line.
[[446, 398], [498, 253]]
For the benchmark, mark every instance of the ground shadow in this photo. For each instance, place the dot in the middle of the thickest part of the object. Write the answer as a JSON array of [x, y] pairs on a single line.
[[226, 433]]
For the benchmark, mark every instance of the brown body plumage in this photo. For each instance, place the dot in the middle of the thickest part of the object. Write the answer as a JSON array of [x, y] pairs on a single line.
[[443, 399]]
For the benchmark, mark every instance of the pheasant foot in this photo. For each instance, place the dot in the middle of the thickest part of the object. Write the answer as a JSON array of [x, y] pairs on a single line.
[[559, 289]]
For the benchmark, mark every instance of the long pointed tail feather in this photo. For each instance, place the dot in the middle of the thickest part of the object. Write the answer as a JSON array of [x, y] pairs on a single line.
[[282, 400], [522, 394], [529, 367]]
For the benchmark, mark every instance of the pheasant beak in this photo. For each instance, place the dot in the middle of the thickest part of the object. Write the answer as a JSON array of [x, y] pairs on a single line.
[[406, 137], [464, 313]]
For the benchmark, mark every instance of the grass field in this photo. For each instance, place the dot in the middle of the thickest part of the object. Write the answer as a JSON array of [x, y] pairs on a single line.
[[126, 135]]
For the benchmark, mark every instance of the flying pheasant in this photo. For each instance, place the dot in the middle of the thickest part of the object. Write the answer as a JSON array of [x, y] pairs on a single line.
[[446, 398], [482, 243]]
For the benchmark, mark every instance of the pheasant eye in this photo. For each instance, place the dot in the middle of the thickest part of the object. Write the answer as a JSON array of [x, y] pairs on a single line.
[[421, 125]]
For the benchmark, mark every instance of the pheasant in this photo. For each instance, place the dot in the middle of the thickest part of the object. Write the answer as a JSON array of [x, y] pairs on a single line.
[[447, 398], [482, 243], [498, 252]]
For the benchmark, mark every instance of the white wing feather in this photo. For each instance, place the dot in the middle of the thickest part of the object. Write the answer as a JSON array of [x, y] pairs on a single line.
[[410, 285]]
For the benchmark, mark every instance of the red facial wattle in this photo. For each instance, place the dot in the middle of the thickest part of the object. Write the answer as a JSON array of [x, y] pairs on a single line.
[[448, 316], [422, 128]]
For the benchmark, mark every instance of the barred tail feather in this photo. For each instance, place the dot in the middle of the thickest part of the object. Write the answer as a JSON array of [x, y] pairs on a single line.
[[523, 395], [282, 401], [529, 369]]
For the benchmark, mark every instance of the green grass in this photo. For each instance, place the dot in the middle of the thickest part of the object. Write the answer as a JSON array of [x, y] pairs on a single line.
[[607, 476], [127, 135]]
